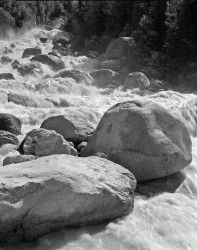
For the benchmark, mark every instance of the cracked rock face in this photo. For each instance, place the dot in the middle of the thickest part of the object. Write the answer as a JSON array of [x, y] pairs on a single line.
[[56, 191], [144, 137]]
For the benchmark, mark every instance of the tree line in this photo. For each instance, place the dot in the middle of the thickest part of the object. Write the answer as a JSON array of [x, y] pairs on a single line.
[[165, 30]]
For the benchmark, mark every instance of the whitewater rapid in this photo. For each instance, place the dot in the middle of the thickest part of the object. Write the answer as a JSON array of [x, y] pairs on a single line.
[[167, 221]]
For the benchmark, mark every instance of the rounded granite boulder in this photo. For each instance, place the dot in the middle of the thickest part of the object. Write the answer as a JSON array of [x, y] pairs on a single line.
[[144, 137]]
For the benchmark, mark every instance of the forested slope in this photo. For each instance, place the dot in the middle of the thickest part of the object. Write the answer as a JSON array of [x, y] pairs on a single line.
[[165, 31]]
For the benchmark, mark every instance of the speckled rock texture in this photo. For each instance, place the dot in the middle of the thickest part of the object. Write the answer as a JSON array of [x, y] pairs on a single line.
[[56, 191], [144, 137]]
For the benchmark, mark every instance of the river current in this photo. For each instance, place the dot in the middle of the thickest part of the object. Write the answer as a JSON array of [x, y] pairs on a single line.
[[167, 221]]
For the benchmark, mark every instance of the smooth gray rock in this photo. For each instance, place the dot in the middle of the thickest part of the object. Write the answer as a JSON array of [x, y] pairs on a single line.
[[144, 137], [72, 128], [17, 159], [31, 52], [10, 123]]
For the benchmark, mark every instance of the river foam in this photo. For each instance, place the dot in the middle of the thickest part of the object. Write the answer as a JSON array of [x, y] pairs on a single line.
[[167, 221]]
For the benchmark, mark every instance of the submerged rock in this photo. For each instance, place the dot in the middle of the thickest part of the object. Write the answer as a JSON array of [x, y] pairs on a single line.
[[15, 64], [144, 137], [29, 100], [103, 77], [6, 76], [42, 142], [77, 75], [29, 68], [136, 80], [10, 123], [72, 128], [43, 39], [58, 191], [32, 52], [7, 138], [52, 61], [5, 60]]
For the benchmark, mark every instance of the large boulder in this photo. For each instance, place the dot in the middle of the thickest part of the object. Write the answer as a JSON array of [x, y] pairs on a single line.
[[29, 100], [144, 137], [52, 61], [102, 77], [42, 142], [7, 138], [77, 75], [136, 80], [58, 191], [31, 52], [72, 128], [10, 123], [119, 47]]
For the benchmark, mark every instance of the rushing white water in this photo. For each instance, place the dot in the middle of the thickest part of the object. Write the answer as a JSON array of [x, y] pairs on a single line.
[[166, 221]]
